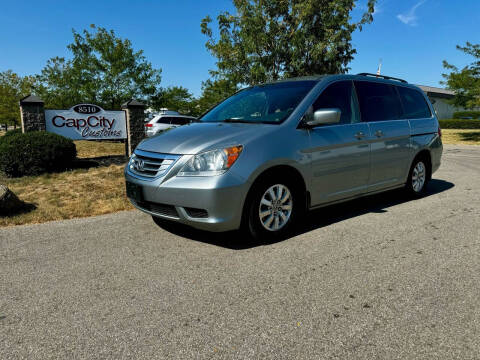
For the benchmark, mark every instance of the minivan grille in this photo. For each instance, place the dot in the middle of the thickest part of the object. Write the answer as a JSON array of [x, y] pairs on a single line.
[[150, 165], [160, 209]]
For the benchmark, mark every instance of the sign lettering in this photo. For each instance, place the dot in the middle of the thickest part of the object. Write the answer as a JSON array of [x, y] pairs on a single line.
[[88, 122]]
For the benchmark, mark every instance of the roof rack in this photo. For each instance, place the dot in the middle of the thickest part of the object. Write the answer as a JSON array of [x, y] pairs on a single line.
[[383, 77]]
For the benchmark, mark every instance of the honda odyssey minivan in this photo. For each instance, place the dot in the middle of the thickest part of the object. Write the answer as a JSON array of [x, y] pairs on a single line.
[[263, 157]]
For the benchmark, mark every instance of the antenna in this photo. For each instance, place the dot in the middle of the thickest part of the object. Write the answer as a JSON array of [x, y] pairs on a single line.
[[379, 69]]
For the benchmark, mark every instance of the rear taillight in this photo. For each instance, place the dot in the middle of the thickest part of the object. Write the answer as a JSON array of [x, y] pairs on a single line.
[[148, 125], [439, 132]]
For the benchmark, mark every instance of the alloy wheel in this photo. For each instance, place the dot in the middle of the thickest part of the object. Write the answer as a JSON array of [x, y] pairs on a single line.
[[275, 207], [418, 177]]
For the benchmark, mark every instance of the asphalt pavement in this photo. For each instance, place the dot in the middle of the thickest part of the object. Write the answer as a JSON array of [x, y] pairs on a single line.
[[382, 277]]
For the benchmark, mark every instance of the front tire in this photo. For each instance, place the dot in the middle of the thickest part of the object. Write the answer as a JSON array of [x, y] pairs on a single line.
[[273, 210]]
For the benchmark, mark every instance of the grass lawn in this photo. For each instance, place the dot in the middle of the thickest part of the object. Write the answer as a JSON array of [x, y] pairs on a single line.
[[77, 193], [457, 136], [90, 149]]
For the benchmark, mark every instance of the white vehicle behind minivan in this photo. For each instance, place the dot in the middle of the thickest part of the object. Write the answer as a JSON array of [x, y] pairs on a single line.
[[166, 120]]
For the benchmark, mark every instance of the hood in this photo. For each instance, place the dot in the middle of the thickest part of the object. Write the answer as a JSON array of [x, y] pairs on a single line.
[[197, 137]]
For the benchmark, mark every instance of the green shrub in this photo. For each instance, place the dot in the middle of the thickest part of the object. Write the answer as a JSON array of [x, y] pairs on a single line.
[[466, 114], [459, 124], [34, 153], [11, 133]]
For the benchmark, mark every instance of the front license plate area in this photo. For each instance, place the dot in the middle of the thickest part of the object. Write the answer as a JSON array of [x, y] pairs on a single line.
[[134, 191]]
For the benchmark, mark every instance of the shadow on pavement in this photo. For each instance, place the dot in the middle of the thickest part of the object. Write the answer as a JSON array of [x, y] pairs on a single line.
[[379, 203]]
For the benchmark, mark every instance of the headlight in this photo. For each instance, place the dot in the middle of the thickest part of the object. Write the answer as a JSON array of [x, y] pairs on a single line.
[[210, 163], [131, 161]]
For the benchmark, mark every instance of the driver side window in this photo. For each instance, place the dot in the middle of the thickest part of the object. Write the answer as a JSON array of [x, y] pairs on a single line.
[[340, 95]]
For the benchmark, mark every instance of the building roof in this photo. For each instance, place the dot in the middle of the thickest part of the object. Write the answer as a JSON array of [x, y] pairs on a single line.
[[132, 103], [437, 92], [31, 99]]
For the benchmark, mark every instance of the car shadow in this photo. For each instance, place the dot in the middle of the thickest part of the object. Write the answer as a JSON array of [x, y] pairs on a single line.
[[315, 219]]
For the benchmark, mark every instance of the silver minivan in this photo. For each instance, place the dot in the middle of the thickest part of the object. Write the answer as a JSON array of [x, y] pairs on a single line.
[[263, 157]]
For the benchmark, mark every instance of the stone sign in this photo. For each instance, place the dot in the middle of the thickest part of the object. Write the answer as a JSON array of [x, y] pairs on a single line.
[[87, 122]]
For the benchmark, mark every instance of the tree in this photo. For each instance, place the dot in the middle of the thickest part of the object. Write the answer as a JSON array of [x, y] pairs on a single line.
[[104, 69], [265, 40], [465, 82], [12, 88], [60, 85], [174, 98], [213, 92], [180, 99]]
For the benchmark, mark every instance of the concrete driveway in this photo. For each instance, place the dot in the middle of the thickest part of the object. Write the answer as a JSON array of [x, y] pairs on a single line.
[[383, 277]]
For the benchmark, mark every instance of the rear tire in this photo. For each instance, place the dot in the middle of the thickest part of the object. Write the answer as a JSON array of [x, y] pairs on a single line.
[[418, 177], [273, 209]]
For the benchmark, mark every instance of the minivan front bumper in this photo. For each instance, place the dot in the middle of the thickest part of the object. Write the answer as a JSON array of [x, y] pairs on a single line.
[[212, 203]]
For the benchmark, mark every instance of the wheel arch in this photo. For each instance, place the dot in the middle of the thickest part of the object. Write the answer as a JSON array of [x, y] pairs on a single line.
[[284, 170], [427, 156]]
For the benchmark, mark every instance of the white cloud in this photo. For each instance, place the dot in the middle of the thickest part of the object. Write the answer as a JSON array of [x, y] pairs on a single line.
[[410, 17]]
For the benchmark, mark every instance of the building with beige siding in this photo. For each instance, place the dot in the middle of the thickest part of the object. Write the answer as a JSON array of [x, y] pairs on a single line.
[[439, 98]]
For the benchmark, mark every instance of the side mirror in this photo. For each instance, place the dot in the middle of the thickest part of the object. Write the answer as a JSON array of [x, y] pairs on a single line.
[[324, 117]]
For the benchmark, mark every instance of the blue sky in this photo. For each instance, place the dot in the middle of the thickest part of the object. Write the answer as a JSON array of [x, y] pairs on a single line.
[[412, 37]]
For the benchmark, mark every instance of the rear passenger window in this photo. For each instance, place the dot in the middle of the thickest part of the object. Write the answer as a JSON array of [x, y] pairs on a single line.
[[339, 95], [378, 102], [414, 104], [179, 121], [164, 120]]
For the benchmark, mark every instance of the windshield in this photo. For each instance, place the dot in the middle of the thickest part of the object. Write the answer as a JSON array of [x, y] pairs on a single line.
[[270, 104]]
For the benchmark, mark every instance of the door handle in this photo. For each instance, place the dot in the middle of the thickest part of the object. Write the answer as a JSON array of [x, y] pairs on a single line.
[[359, 135], [379, 133]]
